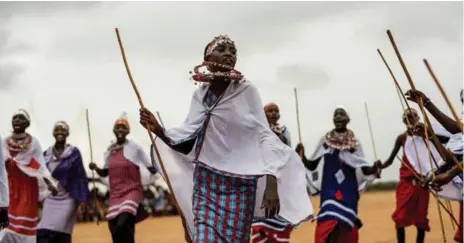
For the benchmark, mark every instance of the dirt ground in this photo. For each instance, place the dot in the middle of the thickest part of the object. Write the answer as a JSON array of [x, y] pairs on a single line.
[[375, 211]]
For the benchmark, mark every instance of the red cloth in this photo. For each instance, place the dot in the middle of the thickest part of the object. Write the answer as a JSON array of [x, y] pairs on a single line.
[[405, 172], [24, 198], [270, 235], [412, 200], [125, 185], [458, 235], [345, 235], [412, 204]]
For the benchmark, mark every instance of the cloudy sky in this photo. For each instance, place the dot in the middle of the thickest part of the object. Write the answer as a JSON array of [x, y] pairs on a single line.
[[59, 58]]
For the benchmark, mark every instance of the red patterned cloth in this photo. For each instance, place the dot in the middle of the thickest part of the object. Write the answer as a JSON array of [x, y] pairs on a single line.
[[344, 234], [125, 185], [24, 198], [412, 201]]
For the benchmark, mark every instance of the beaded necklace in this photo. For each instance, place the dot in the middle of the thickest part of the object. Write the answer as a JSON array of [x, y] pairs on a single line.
[[203, 76], [19, 142]]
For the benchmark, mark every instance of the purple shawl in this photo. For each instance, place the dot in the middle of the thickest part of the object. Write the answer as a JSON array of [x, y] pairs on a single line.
[[70, 172]]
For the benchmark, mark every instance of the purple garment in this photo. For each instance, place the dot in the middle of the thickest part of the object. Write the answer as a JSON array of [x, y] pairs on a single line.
[[70, 173]]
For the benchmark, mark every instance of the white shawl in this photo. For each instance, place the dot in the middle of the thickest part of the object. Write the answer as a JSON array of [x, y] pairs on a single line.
[[453, 190], [422, 163], [134, 153], [238, 140], [355, 160], [23, 161], [4, 193]]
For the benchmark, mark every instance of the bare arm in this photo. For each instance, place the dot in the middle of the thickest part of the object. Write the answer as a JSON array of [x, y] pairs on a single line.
[[310, 164], [398, 143], [449, 124]]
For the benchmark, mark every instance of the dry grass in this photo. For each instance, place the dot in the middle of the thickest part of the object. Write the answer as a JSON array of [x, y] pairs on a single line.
[[375, 212]]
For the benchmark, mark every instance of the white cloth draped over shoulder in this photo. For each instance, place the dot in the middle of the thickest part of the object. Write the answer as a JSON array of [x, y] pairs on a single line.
[[454, 189], [238, 140], [23, 161], [421, 161], [4, 192], [134, 153], [355, 160]]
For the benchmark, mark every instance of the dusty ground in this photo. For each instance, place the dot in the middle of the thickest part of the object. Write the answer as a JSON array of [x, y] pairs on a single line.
[[375, 212]]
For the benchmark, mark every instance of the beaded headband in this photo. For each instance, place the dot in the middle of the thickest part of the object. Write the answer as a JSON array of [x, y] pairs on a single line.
[[208, 76], [410, 112], [219, 40]]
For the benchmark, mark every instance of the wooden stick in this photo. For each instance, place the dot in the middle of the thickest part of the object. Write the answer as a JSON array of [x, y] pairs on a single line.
[[442, 91], [159, 117], [421, 106], [402, 97], [431, 191], [370, 129], [166, 176], [298, 119], [297, 114], [89, 134]]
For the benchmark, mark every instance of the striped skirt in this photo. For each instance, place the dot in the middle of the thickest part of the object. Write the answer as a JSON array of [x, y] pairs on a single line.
[[223, 206]]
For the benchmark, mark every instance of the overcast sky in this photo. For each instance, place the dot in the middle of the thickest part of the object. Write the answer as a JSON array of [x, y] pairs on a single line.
[[59, 58]]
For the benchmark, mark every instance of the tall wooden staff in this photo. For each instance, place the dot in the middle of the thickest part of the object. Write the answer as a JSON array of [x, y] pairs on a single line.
[[91, 160], [298, 119], [166, 176], [442, 91], [426, 119], [370, 129]]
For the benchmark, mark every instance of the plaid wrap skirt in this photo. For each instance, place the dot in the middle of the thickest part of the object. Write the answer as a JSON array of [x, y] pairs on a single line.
[[223, 206]]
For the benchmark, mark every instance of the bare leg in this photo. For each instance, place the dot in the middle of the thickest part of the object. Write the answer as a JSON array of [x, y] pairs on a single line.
[[400, 235], [420, 235]]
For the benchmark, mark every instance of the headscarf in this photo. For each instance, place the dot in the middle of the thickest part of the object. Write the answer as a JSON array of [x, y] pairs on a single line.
[[122, 120], [24, 113], [62, 124]]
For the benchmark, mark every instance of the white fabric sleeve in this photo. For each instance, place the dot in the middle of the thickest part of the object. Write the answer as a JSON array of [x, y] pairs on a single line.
[[273, 151], [143, 158]]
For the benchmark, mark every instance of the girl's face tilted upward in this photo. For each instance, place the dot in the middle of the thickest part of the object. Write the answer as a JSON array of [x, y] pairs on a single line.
[[225, 54]]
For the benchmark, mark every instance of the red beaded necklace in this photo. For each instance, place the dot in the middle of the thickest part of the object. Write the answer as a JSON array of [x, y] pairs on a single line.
[[199, 76], [19, 142]]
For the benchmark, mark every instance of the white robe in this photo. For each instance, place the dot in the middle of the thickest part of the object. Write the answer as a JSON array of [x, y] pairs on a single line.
[[238, 140], [22, 160], [355, 160], [4, 193]]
